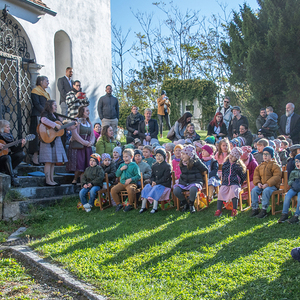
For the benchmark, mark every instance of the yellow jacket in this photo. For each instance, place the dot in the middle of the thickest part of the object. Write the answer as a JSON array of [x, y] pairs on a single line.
[[161, 103]]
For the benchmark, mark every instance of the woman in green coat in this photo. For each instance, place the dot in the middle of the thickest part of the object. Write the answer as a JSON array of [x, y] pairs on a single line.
[[106, 143]]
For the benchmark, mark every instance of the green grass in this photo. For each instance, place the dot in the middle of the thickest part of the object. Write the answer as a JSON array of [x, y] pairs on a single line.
[[172, 255]]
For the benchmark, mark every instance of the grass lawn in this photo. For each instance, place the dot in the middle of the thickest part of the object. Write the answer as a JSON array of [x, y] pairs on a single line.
[[171, 255]]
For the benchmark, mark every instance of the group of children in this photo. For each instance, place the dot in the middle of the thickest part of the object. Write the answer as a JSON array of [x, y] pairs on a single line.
[[189, 160]]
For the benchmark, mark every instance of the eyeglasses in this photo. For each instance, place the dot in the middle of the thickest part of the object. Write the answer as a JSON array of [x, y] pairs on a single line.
[[226, 101], [266, 153]]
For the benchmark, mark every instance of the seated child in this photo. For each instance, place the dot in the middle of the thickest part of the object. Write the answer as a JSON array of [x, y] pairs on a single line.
[[137, 143], [191, 177], [169, 147], [210, 140], [233, 174], [160, 187], [190, 133], [176, 161], [294, 183], [290, 166], [130, 175], [198, 145], [276, 155], [282, 153], [267, 179], [147, 151], [91, 181], [285, 146], [144, 167], [213, 167], [108, 167], [261, 144], [117, 155]]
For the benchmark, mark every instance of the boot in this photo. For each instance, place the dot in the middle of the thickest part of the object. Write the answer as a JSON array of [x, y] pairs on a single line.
[[192, 207], [185, 207], [10, 172]]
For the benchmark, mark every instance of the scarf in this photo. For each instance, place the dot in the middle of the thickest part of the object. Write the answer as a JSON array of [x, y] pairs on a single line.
[[207, 158], [38, 90], [8, 137], [134, 118], [96, 135], [177, 159]]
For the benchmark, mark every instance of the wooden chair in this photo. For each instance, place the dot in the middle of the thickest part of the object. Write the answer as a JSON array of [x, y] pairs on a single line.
[[281, 192], [107, 192], [218, 187], [162, 203], [245, 189], [124, 194], [175, 199]]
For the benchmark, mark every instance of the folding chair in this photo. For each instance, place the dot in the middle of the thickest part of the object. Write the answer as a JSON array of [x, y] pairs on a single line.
[[244, 190], [124, 194], [281, 192]]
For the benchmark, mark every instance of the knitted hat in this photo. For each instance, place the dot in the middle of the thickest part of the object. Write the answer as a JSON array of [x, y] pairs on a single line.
[[241, 141], [130, 146], [188, 141], [246, 152], [272, 144], [236, 152], [234, 142], [181, 142], [129, 139], [197, 144], [118, 149], [154, 145], [297, 157], [105, 155], [137, 151], [189, 150], [210, 140], [162, 152], [208, 149], [270, 150], [96, 157], [178, 146], [296, 253]]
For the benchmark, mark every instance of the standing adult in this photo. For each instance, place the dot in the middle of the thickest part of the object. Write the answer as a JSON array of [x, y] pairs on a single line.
[[132, 123], [261, 119], [108, 109], [180, 126], [64, 85], [163, 111], [75, 98], [81, 143], [246, 134], [226, 112], [106, 142], [148, 129], [289, 124], [39, 97], [236, 122], [217, 127]]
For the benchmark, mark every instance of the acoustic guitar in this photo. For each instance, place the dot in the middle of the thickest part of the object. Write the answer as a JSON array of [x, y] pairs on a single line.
[[4, 150], [48, 134]]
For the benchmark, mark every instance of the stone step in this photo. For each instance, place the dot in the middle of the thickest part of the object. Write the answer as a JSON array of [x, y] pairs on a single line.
[[24, 169], [37, 181]]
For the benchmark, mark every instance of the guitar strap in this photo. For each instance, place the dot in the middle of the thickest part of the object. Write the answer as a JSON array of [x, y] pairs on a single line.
[[66, 117]]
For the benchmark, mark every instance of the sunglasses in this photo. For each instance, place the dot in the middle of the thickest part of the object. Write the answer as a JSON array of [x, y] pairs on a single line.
[[226, 101]]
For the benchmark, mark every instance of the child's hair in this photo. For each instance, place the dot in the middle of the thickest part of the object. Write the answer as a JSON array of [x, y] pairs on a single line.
[[284, 142], [281, 137], [214, 148], [270, 108], [148, 147], [129, 152], [171, 145], [97, 124], [223, 141], [189, 164], [187, 127], [289, 141], [293, 153], [263, 142], [239, 162], [169, 158]]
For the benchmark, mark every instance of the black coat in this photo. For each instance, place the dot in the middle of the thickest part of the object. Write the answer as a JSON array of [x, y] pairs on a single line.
[[294, 127], [38, 104], [193, 175], [214, 167], [248, 137], [111, 171], [161, 174], [153, 129], [210, 129], [234, 126], [131, 126], [63, 87], [260, 121]]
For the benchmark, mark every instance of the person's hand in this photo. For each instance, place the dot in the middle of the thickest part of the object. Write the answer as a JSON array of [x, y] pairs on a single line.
[[259, 185], [135, 132], [148, 138], [58, 126], [123, 168], [89, 144], [153, 183], [265, 186], [77, 95], [89, 185], [85, 186], [23, 142], [1, 146], [128, 181], [235, 135]]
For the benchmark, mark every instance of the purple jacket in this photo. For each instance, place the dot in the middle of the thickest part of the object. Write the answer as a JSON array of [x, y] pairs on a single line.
[[251, 166]]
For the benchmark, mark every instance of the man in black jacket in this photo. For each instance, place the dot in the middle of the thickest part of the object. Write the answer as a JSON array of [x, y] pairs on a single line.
[[108, 109], [261, 119], [289, 124], [236, 122], [64, 85]]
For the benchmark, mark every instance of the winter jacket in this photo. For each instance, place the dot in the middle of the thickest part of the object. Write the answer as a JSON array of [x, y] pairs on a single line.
[[132, 123], [260, 121], [277, 158], [271, 122], [283, 157], [145, 169], [234, 126], [176, 168], [93, 175], [211, 129], [179, 131], [108, 107], [214, 167], [295, 174], [118, 162], [227, 116], [268, 172], [193, 175], [290, 166], [111, 171], [162, 174], [248, 137], [232, 174], [38, 104], [105, 146], [132, 171], [252, 164], [153, 129], [161, 102]]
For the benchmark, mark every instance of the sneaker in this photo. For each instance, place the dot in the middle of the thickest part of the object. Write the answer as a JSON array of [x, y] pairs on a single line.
[[128, 208], [294, 219], [255, 212], [262, 214], [218, 213], [192, 209], [142, 210], [119, 207], [233, 213], [87, 209], [153, 211], [87, 206], [283, 218]]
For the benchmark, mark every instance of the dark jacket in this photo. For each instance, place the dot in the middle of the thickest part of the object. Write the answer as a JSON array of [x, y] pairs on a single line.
[[8, 138], [63, 87], [294, 127], [260, 121], [194, 137], [214, 167], [232, 174], [193, 175], [108, 107], [162, 174], [132, 123], [118, 163], [211, 131], [248, 137], [38, 104], [290, 166], [111, 171], [153, 129], [93, 175], [234, 126]]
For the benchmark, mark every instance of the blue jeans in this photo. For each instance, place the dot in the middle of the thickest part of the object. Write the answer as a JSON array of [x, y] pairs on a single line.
[[93, 194], [286, 204], [265, 198]]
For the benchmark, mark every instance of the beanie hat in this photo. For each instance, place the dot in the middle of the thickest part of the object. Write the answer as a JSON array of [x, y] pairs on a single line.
[[246, 152], [154, 145], [271, 144], [234, 142], [210, 140], [105, 155], [236, 152], [178, 146], [181, 142], [189, 150], [270, 150], [188, 141], [162, 152], [130, 146], [129, 139], [297, 157], [197, 144], [208, 149], [137, 151], [241, 141], [118, 149], [96, 157]]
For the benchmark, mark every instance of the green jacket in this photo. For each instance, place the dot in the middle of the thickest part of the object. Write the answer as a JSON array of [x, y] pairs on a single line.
[[295, 174], [132, 171], [105, 146], [93, 175]]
